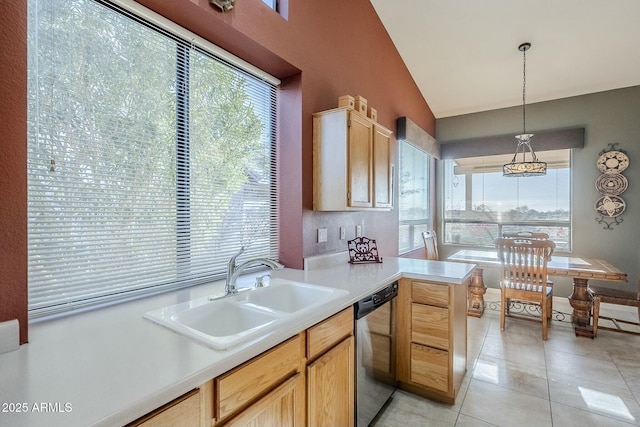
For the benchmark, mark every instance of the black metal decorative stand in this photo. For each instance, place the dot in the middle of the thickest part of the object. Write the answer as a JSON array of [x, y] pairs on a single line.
[[363, 250]]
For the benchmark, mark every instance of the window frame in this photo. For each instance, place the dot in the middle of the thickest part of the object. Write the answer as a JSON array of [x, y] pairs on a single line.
[[505, 225], [415, 226], [273, 4]]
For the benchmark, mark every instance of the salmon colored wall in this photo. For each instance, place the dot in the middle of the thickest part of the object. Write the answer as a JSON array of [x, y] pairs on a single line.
[[322, 50], [13, 161]]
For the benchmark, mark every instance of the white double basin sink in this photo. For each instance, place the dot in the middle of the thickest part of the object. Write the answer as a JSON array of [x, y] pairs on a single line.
[[222, 323]]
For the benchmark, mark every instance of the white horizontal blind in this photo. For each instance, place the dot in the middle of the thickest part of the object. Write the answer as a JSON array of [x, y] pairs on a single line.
[[150, 160]]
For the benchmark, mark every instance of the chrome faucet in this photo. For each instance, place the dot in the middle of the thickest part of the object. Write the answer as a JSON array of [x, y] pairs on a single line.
[[234, 271]]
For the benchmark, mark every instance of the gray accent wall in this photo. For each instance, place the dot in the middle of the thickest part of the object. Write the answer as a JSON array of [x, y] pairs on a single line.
[[607, 117]]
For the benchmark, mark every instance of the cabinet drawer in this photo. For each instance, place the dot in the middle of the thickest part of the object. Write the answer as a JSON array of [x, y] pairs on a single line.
[[187, 410], [430, 293], [430, 325], [244, 384], [430, 367], [326, 334]]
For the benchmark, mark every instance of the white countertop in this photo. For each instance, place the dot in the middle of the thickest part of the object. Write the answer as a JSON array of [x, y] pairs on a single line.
[[110, 366]]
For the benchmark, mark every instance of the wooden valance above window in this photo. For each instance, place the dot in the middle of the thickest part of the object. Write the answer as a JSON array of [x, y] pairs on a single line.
[[546, 140]]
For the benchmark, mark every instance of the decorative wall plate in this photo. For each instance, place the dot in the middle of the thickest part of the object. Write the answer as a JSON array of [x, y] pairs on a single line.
[[612, 162], [611, 184], [610, 206]]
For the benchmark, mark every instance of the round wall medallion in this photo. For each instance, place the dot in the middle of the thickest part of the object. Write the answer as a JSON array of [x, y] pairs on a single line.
[[612, 162], [610, 206], [611, 184]]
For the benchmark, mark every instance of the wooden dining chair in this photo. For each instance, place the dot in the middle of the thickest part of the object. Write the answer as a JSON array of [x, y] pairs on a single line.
[[525, 235], [523, 276], [529, 235], [430, 244], [614, 296]]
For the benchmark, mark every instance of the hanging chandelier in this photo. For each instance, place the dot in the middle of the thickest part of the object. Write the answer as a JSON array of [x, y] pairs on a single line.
[[524, 167]]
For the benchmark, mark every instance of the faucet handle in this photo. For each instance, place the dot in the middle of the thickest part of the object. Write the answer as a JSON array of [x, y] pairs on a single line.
[[237, 254], [260, 280], [232, 261]]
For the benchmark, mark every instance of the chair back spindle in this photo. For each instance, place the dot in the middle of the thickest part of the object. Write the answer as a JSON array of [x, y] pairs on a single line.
[[430, 245]]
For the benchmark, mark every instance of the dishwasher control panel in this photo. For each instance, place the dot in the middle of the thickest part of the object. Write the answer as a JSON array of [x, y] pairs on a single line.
[[371, 302]]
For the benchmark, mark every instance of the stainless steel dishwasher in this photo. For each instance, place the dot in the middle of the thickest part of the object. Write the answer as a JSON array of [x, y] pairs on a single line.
[[375, 352]]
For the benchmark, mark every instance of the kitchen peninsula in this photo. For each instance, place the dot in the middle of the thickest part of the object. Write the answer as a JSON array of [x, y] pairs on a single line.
[[111, 366]]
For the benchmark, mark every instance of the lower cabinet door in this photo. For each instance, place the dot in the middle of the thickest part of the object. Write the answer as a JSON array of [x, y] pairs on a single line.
[[283, 407], [330, 387], [430, 367]]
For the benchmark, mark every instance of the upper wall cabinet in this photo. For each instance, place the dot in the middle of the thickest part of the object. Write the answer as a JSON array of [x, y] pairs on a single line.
[[351, 162]]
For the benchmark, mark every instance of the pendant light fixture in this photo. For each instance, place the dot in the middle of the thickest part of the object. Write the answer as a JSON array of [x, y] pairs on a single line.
[[524, 167]]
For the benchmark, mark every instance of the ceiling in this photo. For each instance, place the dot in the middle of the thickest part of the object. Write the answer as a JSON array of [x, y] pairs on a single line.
[[463, 54]]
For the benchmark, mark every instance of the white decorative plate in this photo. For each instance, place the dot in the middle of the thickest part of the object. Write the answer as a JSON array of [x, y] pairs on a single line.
[[610, 206], [611, 184], [612, 162]]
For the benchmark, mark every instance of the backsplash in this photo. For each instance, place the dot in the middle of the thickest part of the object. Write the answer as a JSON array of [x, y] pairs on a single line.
[[315, 262]]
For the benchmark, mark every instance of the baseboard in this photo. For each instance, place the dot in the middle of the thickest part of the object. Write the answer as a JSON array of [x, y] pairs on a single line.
[[9, 336]]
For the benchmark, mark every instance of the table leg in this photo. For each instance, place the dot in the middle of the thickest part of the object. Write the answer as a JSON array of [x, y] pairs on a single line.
[[582, 302], [477, 290]]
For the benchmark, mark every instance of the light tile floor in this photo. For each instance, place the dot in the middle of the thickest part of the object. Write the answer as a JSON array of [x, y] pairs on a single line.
[[514, 378]]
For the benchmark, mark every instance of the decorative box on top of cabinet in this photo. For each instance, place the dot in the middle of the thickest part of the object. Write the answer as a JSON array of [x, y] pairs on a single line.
[[351, 162]]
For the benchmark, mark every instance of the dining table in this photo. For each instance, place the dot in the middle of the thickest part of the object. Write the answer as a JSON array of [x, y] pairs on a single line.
[[581, 270]]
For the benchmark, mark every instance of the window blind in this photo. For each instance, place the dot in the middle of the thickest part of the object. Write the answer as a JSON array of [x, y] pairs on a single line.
[[150, 160]]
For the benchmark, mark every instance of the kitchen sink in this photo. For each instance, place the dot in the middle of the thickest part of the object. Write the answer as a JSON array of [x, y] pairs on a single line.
[[237, 318], [289, 297], [222, 323]]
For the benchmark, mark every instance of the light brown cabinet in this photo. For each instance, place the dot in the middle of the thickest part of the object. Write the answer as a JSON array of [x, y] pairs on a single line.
[[193, 409], [306, 380], [432, 338], [382, 170], [283, 407], [310, 380], [330, 372], [331, 386], [351, 162], [237, 391]]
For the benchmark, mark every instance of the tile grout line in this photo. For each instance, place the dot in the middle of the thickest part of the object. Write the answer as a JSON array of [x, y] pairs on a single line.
[[546, 373]]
